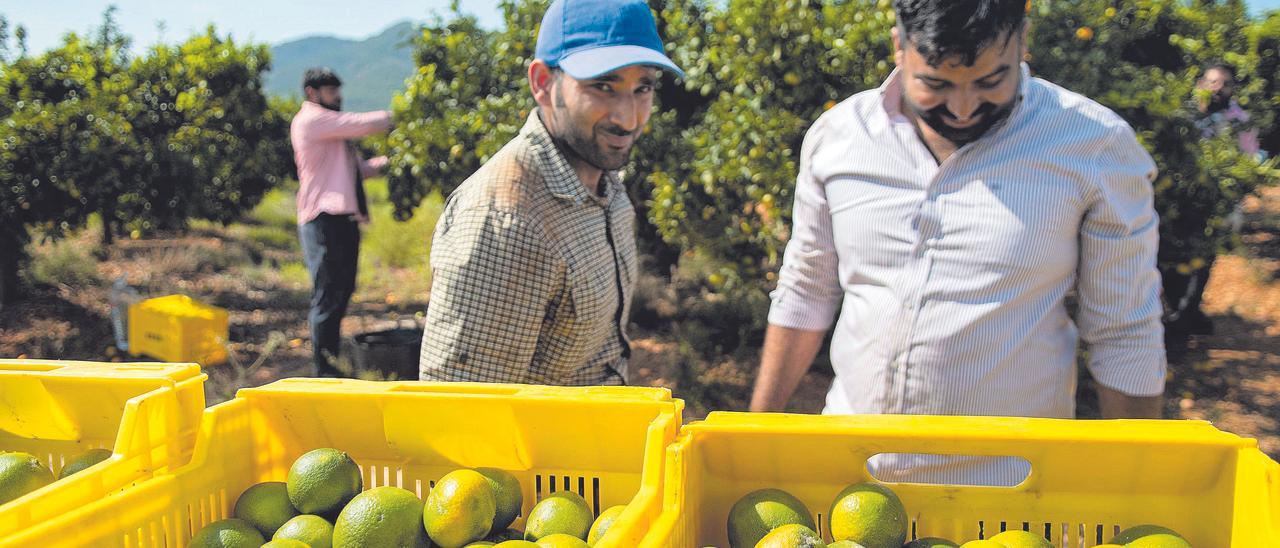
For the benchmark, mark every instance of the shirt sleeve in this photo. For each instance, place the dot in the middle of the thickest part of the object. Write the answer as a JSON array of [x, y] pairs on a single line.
[[808, 293], [1119, 286], [348, 125], [373, 166], [492, 281]]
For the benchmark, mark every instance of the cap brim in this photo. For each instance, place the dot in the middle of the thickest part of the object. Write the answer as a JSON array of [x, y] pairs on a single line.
[[594, 62]]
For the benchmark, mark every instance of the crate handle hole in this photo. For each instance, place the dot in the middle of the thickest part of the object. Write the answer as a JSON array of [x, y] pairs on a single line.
[[958, 470]]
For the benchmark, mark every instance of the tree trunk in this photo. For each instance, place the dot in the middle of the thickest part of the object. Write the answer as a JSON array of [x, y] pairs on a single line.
[[11, 256], [108, 232]]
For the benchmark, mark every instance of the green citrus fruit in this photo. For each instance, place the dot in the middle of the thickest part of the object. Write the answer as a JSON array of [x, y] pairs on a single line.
[[759, 512], [460, 508], [314, 530], [1138, 531], [1159, 540], [228, 533], [265, 506], [603, 523], [561, 512], [1021, 539], [507, 494], [561, 540], [84, 460], [791, 536], [382, 516], [869, 514], [322, 481], [285, 543], [21, 473]]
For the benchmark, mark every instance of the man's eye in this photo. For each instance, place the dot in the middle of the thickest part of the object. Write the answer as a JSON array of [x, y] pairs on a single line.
[[644, 89], [936, 86], [603, 87], [990, 85]]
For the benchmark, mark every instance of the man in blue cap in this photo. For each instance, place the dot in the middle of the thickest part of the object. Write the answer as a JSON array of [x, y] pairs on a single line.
[[534, 259]]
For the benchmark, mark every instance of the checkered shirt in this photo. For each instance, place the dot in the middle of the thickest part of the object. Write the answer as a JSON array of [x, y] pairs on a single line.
[[532, 274]]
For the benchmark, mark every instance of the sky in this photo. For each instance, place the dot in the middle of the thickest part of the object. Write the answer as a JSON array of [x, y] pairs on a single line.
[[269, 21], [263, 21]]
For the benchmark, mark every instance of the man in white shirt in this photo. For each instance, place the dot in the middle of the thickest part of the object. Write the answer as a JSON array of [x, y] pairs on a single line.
[[946, 215]]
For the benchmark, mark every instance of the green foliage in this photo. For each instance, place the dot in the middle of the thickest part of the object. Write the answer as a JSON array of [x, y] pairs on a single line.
[[716, 170], [1141, 58], [214, 143], [278, 208], [182, 133]]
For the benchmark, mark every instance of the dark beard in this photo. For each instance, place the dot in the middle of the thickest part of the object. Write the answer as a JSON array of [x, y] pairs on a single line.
[[936, 117], [1219, 102], [336, 107], [574, 143]]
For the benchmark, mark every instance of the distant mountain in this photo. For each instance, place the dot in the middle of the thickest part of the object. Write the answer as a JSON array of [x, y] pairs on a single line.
[[373, 70]]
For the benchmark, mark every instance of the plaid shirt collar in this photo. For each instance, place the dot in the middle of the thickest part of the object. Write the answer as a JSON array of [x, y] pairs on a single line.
[[562, 181]]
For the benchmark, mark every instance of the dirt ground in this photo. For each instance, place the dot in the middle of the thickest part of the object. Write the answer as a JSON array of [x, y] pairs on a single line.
[[1231, 378]]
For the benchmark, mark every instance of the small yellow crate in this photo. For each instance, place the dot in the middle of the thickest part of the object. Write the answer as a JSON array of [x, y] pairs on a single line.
[[177, 328], [605, 443], [146, 414], [1088, 479]]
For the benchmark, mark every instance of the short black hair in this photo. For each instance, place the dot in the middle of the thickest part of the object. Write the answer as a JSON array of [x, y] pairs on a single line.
[[1219, 65], [942, 29], [318, 77]]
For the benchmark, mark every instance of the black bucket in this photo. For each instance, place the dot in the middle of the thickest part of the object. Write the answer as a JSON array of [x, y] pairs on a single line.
[[393, 353]]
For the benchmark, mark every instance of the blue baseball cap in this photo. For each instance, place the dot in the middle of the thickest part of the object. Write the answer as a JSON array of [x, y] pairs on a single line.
[[588, 38]]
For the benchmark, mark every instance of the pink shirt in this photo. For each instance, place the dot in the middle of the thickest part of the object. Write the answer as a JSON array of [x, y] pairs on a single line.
[[327, 163]]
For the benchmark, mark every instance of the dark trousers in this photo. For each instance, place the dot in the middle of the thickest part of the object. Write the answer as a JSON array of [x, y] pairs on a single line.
[[331, 248], [1183, 294]]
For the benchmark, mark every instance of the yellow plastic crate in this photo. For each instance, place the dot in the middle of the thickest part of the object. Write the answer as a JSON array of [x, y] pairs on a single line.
[[1088, 478], [177, 328], [146, 414], [606, 443]]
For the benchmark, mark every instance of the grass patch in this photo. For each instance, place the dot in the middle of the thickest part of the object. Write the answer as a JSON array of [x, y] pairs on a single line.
[[389, 248], [65, 262], [295, 274], [278, 208], [272, 237]]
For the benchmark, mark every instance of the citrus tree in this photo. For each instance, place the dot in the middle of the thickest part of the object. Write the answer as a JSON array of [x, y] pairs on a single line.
[[61, 135], [715, 172], [212, 144], [184, 132], [1141, 58]]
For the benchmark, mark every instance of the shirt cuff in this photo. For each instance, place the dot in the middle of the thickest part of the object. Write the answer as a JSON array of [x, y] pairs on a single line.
[[1137, 372], [793, 311]]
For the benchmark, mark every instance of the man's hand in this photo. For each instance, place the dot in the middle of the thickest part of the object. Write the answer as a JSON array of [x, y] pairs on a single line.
[[1118, 405], [786, 357]]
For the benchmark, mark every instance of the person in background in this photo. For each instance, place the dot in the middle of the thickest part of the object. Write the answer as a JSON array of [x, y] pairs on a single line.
[[534, 259], [1215, 112], [331, 204], [946, 216]]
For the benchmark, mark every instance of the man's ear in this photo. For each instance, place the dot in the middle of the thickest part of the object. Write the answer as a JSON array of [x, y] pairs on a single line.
[[540, 82], [898, 54]]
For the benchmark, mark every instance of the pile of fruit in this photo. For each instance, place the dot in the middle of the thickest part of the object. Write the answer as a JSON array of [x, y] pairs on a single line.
[[22, 473], [322, 504], [869, 515]]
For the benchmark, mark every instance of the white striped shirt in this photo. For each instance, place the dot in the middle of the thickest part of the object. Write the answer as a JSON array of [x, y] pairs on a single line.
[[950, 279]]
